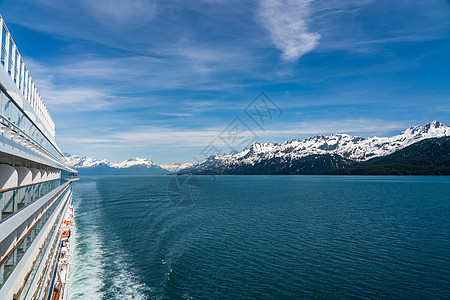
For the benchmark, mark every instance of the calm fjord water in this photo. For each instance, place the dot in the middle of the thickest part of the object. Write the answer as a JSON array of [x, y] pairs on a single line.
[[263, 237]]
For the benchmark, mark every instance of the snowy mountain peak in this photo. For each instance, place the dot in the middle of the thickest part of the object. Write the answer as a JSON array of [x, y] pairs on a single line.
[[135, 161], [436, 123], [432, 129], [260, 147]]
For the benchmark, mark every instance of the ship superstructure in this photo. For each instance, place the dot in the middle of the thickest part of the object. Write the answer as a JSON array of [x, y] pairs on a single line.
[[36, 208]]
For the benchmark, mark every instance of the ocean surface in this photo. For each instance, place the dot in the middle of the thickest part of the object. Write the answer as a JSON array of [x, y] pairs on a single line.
[[261, 237]]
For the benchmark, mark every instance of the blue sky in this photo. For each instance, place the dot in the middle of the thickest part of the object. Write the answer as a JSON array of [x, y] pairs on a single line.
[[163, 79]]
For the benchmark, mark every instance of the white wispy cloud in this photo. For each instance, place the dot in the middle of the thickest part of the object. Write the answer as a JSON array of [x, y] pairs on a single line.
[[174, 114], [151, 136], [443, 108], [287, 23], [74, 98], [368, 26], [357, 126], [115, 13], [109, 13], [148, 136]]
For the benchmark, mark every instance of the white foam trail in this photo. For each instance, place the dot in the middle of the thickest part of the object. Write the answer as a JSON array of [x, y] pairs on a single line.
[[90, 267], [86, 269], [126, 283]]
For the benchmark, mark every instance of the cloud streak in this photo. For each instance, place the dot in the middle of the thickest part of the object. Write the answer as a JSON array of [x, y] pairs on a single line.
[[287, 23], [150, 136], [115, 13]]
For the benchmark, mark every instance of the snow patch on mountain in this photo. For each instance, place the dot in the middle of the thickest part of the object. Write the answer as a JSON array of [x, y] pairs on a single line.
[[175, 167]]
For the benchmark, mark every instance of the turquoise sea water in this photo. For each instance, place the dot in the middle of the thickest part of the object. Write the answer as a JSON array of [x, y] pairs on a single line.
[[262, 237]]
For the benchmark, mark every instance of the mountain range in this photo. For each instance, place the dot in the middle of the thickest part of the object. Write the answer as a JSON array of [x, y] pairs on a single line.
[[132, 166], [333, 154]]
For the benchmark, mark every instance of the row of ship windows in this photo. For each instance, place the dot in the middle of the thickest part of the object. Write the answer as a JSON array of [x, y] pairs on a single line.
[[18, 72]]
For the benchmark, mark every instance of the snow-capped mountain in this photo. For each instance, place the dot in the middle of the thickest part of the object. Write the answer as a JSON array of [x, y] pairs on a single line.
[[175, 167], [84, 162], [137, 161], [79, 162], [346, 146], [87, 162]]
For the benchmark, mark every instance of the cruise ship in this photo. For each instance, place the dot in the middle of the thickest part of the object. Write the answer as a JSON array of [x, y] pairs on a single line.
[[36, 210]]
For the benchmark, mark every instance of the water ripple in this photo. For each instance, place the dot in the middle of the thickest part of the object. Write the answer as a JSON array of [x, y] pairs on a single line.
[[271, 237]]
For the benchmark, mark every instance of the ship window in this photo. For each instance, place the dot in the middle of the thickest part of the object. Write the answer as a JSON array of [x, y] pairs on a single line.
[[10, 49], [25, 82], [10, 57], [3, 36], [5, 105], [20, 120], [20, 72], [3, 48], [16, 64], [3, 55], [14, 115], [3, 100]]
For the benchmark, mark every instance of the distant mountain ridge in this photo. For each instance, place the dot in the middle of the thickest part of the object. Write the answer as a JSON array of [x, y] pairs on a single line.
[[132, 166], [319, 151], [427, 157], [87, 162], [313, 155]]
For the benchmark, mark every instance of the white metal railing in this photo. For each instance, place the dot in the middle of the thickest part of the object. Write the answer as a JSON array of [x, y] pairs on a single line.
[[18, 123], [12, 62]]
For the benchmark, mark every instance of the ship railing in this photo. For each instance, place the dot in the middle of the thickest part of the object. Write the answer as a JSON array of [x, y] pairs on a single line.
[[44, 274], [12, 258], [14, 199], [30, 276], [18, 123]]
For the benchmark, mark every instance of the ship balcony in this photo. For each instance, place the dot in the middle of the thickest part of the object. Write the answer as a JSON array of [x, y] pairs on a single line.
[[32, 235], [15, 199], [21, 186]]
